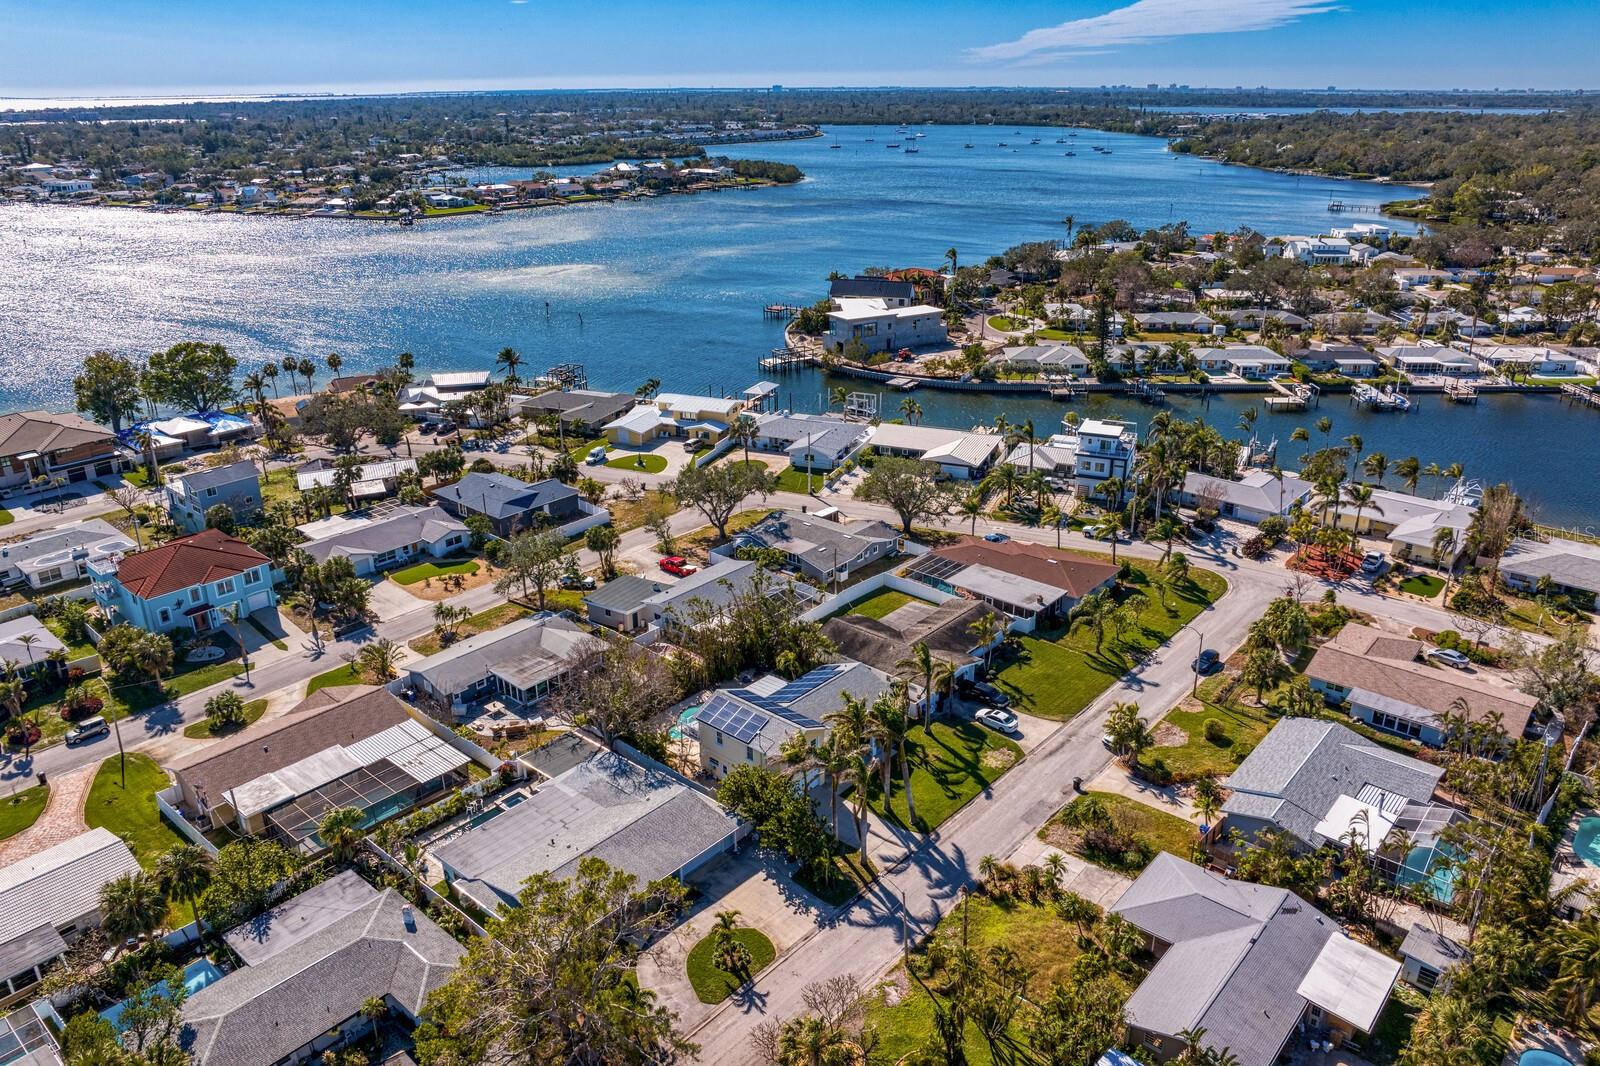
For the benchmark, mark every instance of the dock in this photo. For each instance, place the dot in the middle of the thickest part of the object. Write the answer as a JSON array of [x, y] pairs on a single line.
[[1461, 392], [1068, 392], [783, 360], [1146, 392], [1583, 394], [1385, 399], [904, 383], [1293, 397], [780, 312]]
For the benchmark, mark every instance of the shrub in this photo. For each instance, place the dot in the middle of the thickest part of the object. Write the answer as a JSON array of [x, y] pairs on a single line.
[[1255, 547], [1214, 731]]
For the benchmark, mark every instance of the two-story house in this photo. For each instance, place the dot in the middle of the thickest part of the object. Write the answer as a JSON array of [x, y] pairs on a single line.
[[191, 581], [38, 444], [511, 505], [1106, 449], [236, 486]]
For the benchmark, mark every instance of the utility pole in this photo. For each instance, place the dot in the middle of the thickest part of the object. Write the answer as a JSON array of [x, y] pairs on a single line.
[[1194, 686]]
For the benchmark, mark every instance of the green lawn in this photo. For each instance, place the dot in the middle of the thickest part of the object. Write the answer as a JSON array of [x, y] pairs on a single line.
[[1394, 1025], [1152, 830], [792, 480], [422, 571], [1422, 585], [130, 812], [1243, 726], [339, 675], [482, 622], [643, 462], [849, 877], [1008, 323], [879, 604], [202, 676], [6, 517], [22, 809], [1055, 674], [714, 984], [958, 762], [75, 649], [44, 705], [436, 212], [201, 730]]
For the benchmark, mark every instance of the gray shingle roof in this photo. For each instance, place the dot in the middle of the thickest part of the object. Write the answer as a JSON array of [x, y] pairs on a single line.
[[1299, 769], [532, 649], [624, 593], [1566, 562], [501, 496], [266, 1011], [218, 476], [354, 538]]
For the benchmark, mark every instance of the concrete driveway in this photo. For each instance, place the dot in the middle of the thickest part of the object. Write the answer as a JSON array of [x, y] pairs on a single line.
[[390, 599]]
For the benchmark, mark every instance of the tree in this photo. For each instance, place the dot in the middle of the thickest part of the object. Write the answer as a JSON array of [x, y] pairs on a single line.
[[1207, 799], [225, 711], [1450, 1031], [554, 985], [136, 653], [716, 491], [340, 832], [132, 906], [378, 661], [242, 877], [603, 541], [744, 431], [986, 630], [532, 560], [1263, 668], [1078, 1020], [184, 873], [1574, 953], [910, 487], [1129, 734], [191, 376], [510, 360], [152, 1020], [107, 389], [1558, 673], [614, 687]]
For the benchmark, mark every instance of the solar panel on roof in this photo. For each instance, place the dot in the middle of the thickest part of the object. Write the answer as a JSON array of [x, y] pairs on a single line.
[[731, 717], [809, 682]]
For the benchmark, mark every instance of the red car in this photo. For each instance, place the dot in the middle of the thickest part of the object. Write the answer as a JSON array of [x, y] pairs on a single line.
[[678, 566]]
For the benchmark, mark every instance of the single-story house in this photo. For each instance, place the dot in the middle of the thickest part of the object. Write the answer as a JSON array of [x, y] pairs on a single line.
[[1027, 582], [620, 603], [1057, 457], [170, 437], [49, 899], [312, 963], [28, 642], [675, 414], [892, 293], [958, 454], [1410, 523], [236, 486], [194, 581], [881, 326], [1430, 360], [1256, 317], [61, 554], [1358, 321], [521, 663], [1256, 495], [510, 504], [581, 411], [748, 726], [1534, 358], [1573, 566], [1175, 322], [369, 481], [349, 746], [1247, 964], [1060, 360], [1427, 957], [1378, 678], [630, 603], [885, 645], [812, 442], [377, 540], [821, 550], [1253, 362], [642, 821]]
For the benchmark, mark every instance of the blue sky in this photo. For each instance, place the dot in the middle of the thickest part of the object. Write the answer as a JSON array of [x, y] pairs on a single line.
[[156, 47]]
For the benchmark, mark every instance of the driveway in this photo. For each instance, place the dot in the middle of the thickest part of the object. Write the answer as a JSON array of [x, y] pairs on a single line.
[[390, 599]]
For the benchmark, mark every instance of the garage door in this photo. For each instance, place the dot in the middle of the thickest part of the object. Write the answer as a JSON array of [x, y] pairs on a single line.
[[257, 601]]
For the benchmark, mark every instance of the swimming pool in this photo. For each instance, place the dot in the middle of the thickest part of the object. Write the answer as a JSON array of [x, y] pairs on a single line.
[[1586, 841], [1539, 1057], [1434, 868], [684, 718], [197, 975]]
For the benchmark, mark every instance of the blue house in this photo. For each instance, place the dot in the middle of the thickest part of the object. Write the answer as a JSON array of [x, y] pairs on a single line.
[[191, 581], [235, 486]]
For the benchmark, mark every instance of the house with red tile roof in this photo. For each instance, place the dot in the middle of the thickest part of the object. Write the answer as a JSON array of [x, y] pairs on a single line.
[[191, 582]]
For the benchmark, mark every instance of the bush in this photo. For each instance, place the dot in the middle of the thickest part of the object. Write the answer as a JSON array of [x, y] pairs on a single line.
[[1273, 527], [1214, 731], [1255, 548]]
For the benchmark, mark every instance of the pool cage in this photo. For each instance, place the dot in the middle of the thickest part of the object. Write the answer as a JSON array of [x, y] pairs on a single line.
[[379, 791], [1428, 861]]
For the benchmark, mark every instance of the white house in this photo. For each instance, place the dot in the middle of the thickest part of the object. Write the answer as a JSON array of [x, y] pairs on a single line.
[[1324, 251], [880, 327], [1257, 495], [964, 456], [377, 540], [1105, 448]]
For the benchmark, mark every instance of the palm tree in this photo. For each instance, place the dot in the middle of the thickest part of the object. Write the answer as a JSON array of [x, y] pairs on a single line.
[[1359, 496], [1207, 799], [921, 661], [838, 396], [744, 430], [185, 873], [1574, 951], [986, 630], [911, 409], [375, 1009], [1376, 466], [1354, 443], [1409, 471], [269, 370], [1051, 515], [837, 756], [131, 906], [340, 831], [335, 361], [890, 726], [257, 388], [970, 507], [509, 359], [308, 370], [379, 660], [859, 775]]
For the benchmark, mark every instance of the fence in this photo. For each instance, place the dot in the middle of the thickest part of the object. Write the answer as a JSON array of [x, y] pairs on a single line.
[[477, 753], [718, 450], [167, 804], [427, 890], [592, 516], [876, 583]]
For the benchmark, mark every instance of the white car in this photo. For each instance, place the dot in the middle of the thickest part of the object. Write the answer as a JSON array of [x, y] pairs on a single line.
[[1447, 657], [1372, 562], [996, 718]]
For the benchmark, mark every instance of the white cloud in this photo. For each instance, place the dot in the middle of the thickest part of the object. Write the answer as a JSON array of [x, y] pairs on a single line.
[[1152, 20]]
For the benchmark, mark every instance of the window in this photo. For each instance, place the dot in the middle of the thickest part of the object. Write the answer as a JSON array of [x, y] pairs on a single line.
[[252, 577], [749, 753], [1390, 723], [166, 616], [210, 493], [1427, 977], [718, 732], [225, 587], [196, 595]]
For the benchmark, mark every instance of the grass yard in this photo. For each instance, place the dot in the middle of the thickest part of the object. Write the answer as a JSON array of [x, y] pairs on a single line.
[[411, 575], [130, 812], [642, 462], [879, 604], [202, 676], [850, 876], [1151, 830], [21, 809], [482, 622], [202, 730], [1425, 585], [792, 480], [711, 982], [1394, 1025], [1007, 323], [75, 649], [339, 675], [6, 517], [1055, 674], [697, 545], [631, 514], [1243, 726], [958, 762]]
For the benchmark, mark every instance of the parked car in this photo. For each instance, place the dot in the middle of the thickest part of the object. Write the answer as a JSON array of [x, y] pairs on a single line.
[[582, 581], [678, 566], [1447, 657], [1372, 562], [1098, 532], [982, 690], [596, 456], [693, 444], [427, 429], [997, 718], [996, 538], [1206, 662], [87, 730]]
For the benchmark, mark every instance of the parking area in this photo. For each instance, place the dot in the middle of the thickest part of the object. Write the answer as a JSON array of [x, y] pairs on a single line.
[[1030, 732]]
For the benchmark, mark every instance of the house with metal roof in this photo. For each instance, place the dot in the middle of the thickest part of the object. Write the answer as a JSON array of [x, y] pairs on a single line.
[[49, 899], [747, 726], [511, 504], [821, 550], [195, 581], [236, 486], [386, 536], [38, 445], [369, 481], [1254, 967], [645, 822], [957, 454], [1256, 495], [812, 442], [883, 325], [583, 411], [1378, 679], [311, 963], [56, 556], [522, 663]]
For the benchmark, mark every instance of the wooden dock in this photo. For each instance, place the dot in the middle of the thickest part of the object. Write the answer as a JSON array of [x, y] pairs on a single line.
[[1067, 392], [1583, 394], [780, 312], [1461, 392], [783, 360], [1295, 397], [1147, 392]]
